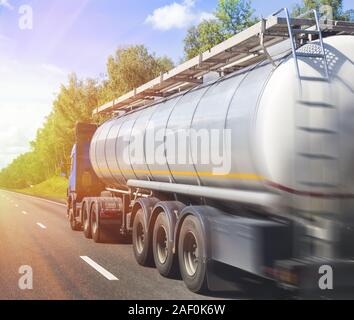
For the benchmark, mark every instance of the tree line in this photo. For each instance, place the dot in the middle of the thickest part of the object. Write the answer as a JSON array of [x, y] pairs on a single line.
[[127, 68], [50, 150]]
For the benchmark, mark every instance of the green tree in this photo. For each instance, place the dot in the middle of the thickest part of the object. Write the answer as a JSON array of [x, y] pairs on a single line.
[[235, 15], [51, 148], [131, 67], [307, 5], [230, 17], [164, 64], [203, 37]]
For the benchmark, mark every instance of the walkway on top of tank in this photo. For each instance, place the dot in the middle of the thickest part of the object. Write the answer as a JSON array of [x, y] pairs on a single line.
[[242, 50]]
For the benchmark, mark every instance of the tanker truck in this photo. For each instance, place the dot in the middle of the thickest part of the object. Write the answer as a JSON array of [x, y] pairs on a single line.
[[241, 159]]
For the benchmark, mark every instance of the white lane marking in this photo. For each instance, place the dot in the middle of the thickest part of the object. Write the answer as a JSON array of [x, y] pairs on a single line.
[[41, 225], [37, 198], [16, 205], [24, 212], [99, 269]]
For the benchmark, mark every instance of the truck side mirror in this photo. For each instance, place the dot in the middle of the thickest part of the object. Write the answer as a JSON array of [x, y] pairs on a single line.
[[64, 171]]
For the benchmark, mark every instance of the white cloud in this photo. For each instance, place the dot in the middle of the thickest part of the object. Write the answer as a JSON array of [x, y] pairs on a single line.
[[26, 96], [176, 15], [6, 4], [205, 16]]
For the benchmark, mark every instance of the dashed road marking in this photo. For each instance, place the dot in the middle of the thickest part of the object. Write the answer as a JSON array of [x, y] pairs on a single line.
[[99, 269], [24, 212], [41, 225]]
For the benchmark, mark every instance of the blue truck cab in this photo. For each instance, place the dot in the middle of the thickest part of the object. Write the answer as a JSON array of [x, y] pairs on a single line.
[[83, 182], [72, 175]]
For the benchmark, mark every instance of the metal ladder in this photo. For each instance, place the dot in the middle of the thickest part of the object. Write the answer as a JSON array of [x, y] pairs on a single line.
[[316, 165], [292, 35]]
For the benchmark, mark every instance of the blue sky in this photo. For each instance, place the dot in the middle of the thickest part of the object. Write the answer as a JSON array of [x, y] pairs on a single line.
[[78, 36]]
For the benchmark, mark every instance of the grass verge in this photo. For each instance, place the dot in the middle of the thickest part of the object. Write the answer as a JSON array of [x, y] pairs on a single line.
[[54, 188]]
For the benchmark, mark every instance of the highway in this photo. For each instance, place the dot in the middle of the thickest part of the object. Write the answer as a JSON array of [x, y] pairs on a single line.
[[66, 266], [35, 232]]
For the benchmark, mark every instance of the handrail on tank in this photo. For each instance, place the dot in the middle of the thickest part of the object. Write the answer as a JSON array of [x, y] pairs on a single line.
[[244, 49], [265, 200]]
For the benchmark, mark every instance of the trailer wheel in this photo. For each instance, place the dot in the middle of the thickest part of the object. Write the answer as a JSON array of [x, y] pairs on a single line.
[[165, 261], [86, 221], [141, 243], [192, 263], [95, 223]]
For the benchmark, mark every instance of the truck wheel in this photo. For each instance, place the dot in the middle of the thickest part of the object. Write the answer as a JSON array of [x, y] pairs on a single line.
[[95, 224], [141, 243], [86, 221], [191, 246], [75, 226], [165, 261]]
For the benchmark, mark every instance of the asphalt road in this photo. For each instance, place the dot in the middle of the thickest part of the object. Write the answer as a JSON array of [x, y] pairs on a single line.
[[35, 232]]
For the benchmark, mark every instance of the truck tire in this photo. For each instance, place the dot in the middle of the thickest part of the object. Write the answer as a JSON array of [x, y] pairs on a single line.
[[95, 223], [141, 240], [86, 221], [74, 225], [191, 248], [165, 261]]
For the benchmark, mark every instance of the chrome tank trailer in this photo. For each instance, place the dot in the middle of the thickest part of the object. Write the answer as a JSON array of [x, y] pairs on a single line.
[[296, 142]]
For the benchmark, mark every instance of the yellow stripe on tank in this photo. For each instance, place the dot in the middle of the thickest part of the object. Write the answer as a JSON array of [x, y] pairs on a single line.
[[236, 176]]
